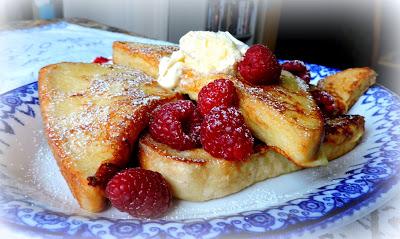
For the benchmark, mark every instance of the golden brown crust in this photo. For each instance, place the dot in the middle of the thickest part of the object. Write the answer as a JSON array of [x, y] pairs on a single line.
[[94, 114], [348, 85], [71, 175], [342, 126], [342, 134]]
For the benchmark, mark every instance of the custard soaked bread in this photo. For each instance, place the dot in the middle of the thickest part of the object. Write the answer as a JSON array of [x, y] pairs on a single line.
[[195, 175], [93, 115]]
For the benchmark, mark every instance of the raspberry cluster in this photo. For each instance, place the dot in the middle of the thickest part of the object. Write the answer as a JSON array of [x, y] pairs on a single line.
[[223, 132], [214, 123]]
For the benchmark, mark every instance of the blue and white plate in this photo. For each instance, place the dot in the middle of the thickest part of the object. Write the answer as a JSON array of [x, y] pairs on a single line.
[[35, 199]]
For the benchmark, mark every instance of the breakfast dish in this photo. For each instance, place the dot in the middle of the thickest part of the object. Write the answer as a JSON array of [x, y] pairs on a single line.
[[249, 118]]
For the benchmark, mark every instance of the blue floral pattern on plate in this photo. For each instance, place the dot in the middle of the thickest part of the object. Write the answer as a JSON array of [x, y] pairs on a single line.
[[361, 187]]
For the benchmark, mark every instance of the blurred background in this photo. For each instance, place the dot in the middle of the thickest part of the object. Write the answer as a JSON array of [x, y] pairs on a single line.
[[339, 33]]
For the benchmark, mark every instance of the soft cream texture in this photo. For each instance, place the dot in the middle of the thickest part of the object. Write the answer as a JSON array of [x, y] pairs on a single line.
[[203, 52]]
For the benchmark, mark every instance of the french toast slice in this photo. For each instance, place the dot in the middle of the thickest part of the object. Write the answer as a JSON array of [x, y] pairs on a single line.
[[284, 115], [195, 175], [348, 85], [93, 115]]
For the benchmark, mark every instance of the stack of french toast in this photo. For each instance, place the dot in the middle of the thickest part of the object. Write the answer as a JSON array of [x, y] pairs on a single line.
[[96, 119]]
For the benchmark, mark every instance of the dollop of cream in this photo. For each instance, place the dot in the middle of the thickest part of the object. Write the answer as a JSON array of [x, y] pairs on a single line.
[[203, 52], [170, 69]]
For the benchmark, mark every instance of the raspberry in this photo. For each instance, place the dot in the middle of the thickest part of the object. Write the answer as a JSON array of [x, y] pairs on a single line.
[[103, 174], [177, 124], [225, 135], [101, 60], [325, 102], [217, 93], [139, 192], [259, 66], [297, 68]]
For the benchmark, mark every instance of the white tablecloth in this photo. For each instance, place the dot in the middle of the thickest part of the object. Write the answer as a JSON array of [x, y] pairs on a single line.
[[24, 52]]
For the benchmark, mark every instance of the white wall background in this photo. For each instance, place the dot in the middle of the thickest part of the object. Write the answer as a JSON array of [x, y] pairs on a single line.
[[184, 16], [159, 19], [151, 18], [13, 10]]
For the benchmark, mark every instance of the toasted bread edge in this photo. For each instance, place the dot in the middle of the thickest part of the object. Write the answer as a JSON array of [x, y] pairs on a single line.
[[87, 196]]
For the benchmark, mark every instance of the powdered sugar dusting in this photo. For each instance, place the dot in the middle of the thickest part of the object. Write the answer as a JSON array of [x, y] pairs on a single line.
[[42, 171], [156, 51], [97, 115]]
